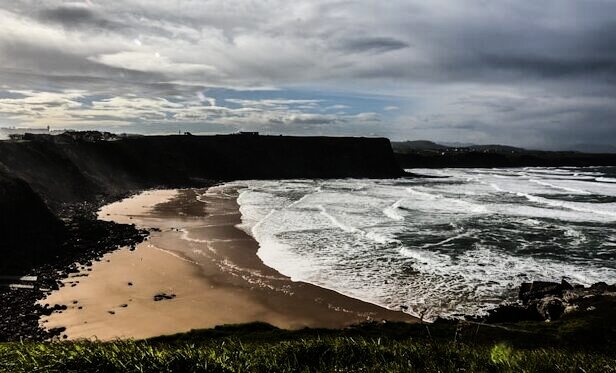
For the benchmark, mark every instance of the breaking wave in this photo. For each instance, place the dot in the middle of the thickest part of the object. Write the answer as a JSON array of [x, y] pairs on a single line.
[[447, 246]]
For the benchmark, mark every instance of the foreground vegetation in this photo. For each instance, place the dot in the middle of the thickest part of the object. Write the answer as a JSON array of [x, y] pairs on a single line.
[[328, 354], [374, 347]]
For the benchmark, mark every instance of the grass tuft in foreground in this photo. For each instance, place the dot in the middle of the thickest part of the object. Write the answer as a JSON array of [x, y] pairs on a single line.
[[259, 348]]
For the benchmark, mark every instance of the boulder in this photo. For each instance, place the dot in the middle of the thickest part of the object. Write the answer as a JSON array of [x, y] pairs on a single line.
[[550, 301], [599, 287], [565, 285], [550, 308], [513, 313], [539, 289]]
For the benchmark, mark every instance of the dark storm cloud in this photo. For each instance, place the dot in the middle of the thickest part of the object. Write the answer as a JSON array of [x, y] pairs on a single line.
[[546, 67], [76, 15], [535, 52], [373, 44]]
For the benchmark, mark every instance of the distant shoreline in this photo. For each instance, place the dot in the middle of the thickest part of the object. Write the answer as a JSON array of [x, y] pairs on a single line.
[[205, 265]]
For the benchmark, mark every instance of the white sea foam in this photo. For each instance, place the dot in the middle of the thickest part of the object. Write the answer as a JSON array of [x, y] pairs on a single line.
[[560, 187], [393, 211], [336, 222], [451, 245], [447, 240], [607, 210], [606, 179]]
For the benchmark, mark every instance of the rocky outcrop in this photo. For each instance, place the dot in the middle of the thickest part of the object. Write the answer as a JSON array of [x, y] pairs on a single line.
[[550, 301]]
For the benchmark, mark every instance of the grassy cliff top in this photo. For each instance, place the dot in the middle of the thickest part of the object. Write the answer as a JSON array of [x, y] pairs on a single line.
[[575, 344]]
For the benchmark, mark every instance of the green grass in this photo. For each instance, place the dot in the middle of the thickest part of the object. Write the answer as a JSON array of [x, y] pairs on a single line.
[[261, 348], [344, 354]]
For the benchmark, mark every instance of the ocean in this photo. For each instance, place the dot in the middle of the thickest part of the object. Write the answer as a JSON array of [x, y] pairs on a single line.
[[455, 244]]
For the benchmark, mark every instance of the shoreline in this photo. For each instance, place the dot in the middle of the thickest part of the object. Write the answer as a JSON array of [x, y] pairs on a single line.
[[207, 266], [87, 239]]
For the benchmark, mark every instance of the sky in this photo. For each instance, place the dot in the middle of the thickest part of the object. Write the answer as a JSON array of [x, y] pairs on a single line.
[[518, 72]]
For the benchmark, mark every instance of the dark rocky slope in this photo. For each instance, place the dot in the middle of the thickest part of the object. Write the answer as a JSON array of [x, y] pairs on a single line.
[[27, 227]]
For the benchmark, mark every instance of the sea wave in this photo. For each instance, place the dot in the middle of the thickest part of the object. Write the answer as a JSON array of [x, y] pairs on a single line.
[[452, 245]]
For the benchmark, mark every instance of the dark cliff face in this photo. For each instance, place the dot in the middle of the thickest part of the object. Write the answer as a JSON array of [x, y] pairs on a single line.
[[261, 157], [28, 229], [62, 168], [43, 171]]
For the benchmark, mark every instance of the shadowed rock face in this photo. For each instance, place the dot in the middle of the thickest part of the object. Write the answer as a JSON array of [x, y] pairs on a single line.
[[540, 301], [63, 168], [88, 166], [27, 227]]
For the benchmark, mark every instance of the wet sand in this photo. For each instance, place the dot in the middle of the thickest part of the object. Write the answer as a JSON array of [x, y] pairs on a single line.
[[205, 264]]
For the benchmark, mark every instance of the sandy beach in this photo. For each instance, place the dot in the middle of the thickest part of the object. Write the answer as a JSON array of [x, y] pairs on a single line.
[[196, 270]]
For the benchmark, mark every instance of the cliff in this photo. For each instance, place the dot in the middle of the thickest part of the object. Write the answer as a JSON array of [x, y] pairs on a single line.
[[27, 227], [69, 168], [43, 173]]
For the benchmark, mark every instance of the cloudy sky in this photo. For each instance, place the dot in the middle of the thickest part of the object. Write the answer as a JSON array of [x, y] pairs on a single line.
[[518, 72]]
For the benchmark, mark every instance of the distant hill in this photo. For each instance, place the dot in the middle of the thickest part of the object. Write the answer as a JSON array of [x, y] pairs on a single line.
[[404, 146], [457, 144], [590, 148], [407, 146], [423, 153], [495, 148]]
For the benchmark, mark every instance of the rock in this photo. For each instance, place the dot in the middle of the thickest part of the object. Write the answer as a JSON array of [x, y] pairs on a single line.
[[57, 331], [163, 296], [513, 313], [599, 287], [570, 295], [551, 308], [538, 290], [549, 301], [47, 311], [565, 285]]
